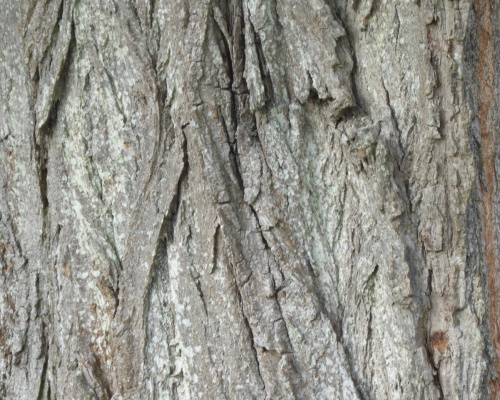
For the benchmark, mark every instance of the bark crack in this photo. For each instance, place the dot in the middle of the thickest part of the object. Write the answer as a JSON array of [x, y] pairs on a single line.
[[43, 376], [248, 327], [215, 253], [395, 123]]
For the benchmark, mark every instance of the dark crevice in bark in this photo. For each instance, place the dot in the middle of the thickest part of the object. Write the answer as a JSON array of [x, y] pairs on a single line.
[[254, 350], [354, 88], [171, 216], [43, 375], [60, 13], [395, 124], [366, 387], [159, 260], [230, 142], [266, 245], [371, 278], [135, 14], [234, 161], [5, 138], [215, 254], [42, 177], [41, 150], [222, 30], [288, 342], [429, 283], [49, 391], [42, 134], [264, 71], [246, 279], [397, 20], [152, 6], [115, 275], [248, 327], [59, 83], [197, 282]]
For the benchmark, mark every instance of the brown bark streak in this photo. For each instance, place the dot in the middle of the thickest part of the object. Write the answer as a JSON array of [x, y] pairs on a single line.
[[486, 98]]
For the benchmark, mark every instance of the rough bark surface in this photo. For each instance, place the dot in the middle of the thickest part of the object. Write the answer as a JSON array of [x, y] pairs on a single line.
[[250, 199]]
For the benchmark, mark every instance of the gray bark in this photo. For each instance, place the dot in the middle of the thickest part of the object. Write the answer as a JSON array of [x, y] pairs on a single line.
[[249, 199]]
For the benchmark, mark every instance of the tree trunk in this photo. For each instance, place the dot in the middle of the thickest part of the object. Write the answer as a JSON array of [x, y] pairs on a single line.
[[250, 199]]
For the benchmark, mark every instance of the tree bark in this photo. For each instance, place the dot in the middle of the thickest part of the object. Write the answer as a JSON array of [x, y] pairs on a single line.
[[250, 199]]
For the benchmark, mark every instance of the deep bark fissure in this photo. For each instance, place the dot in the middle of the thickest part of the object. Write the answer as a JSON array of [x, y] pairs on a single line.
[[264, 72], [395, 123], [45, 129], [248, 328], [43, 376], [173, 209], [197, 282]]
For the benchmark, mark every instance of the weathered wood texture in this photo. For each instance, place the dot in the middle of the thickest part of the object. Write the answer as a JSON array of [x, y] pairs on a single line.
[[249, 199]]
